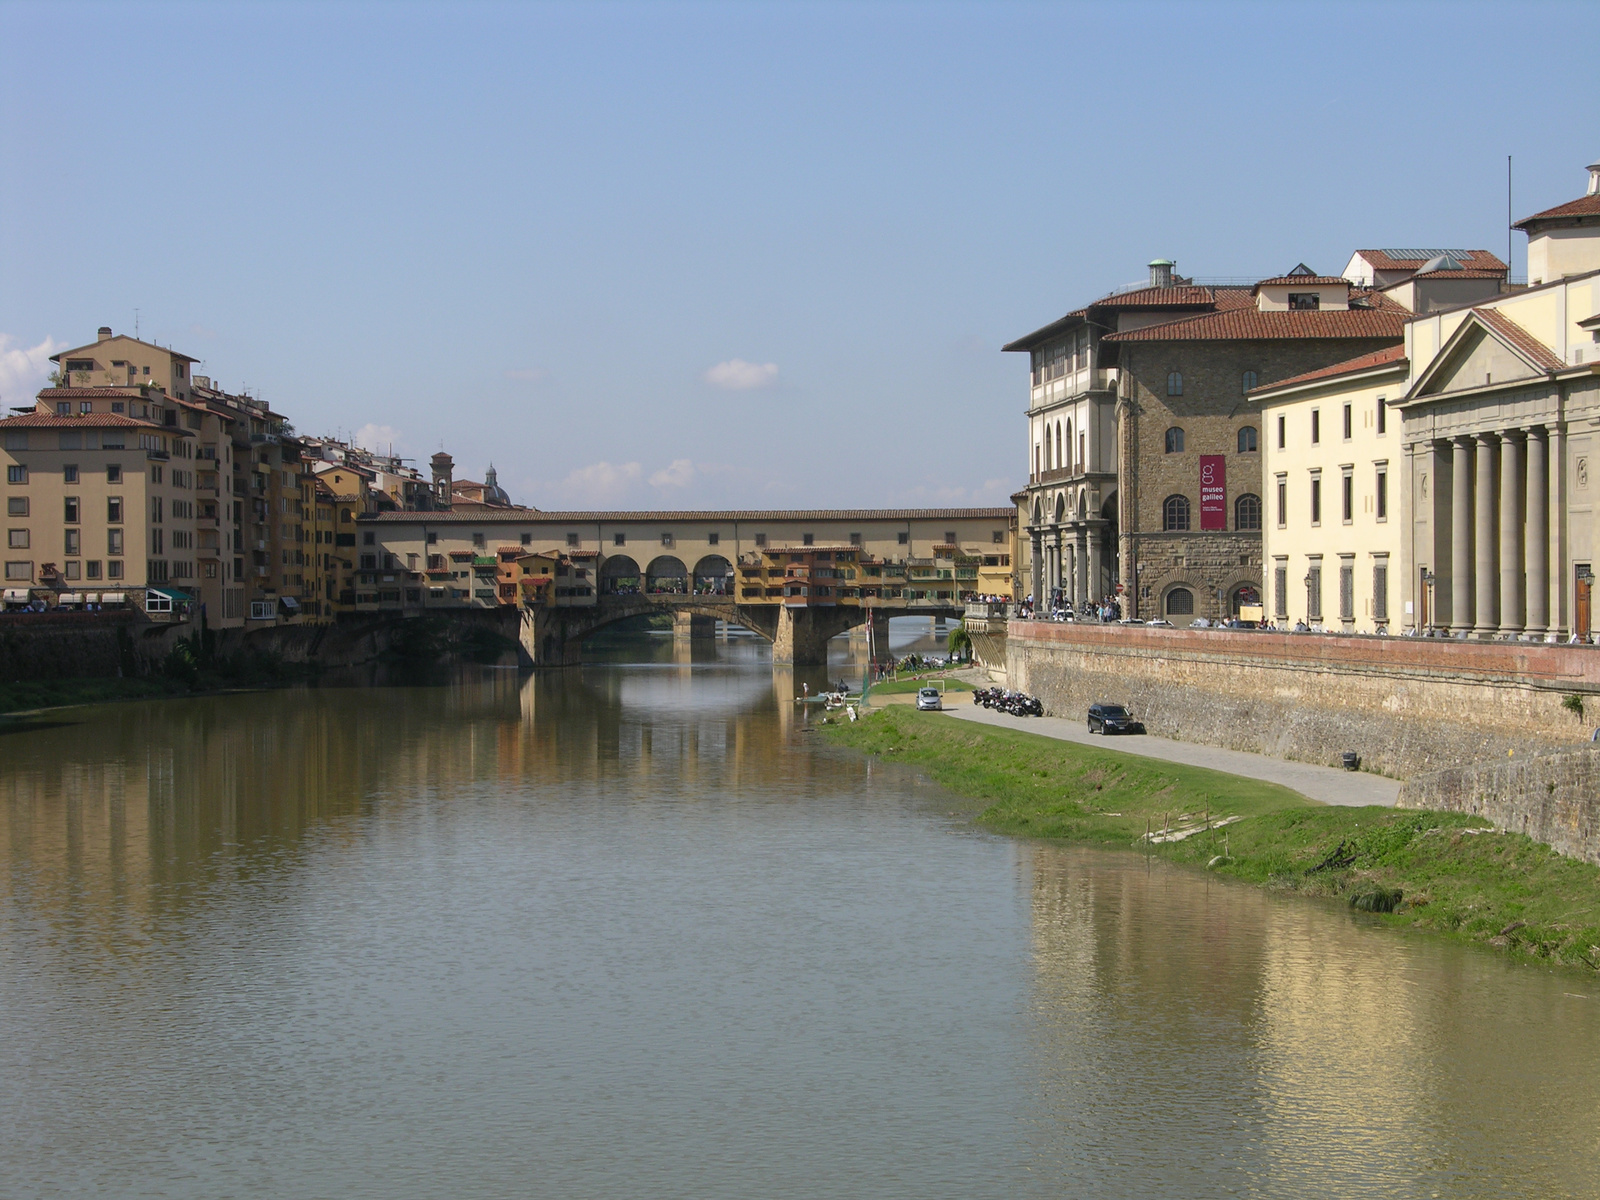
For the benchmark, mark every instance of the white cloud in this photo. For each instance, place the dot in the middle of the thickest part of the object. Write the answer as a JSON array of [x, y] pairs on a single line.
[[377, 437], [679, 474], [737, 375], [598, 484], [23, 371], [991, 493]]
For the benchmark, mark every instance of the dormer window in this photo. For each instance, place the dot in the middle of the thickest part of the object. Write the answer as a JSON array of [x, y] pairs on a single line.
[[1304, 301]]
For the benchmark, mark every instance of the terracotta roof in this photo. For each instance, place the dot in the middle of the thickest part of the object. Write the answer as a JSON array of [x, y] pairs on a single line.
[[91, 393], [1469, 274], [1251, 325], [1520, 339], [1410, 259], [86, 421], [536, 517], [1159, 297], [1583, 206], [1394, 356], [1311, 280], [123, 337]]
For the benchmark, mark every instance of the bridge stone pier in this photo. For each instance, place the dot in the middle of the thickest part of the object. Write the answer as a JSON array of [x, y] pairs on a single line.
[[554, 637]]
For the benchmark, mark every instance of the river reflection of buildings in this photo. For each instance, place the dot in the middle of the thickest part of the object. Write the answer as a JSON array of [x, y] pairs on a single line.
[[145, 803], [1208, 1038]]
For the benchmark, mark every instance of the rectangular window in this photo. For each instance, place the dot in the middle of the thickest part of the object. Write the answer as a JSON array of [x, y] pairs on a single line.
[[666, 540], [619, 539], [572, 539], [1283, 501], [1383, 416], [1347, 497], [114, 569], [433, 538], [1280, 588], [761, 539], [16, 539], [1347, 589], [1316, 426], [1283, 422], [155, 509], [16, 506], [713, 539], [1316, 500], [74, 543], [1304, 301], [19, 570], [113, 472], [1347, 422], [1314, 591], [114, 510], [1380, 590], [114, 541], [904, 538], [16, 473], [73, 568], [91, 569], [16, 439], [69, 473], [807, 539], [70, 508], [1381, 492]]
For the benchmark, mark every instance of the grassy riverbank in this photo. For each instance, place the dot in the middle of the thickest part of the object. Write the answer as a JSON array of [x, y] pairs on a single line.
[[1453, 874], [914, 683]]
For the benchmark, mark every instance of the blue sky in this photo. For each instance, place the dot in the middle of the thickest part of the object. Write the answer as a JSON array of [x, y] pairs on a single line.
[[708, 255]]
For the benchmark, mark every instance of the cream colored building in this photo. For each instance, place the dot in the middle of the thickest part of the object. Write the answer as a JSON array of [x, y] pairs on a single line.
[[116, 360], [96, 502], [1332, 532]]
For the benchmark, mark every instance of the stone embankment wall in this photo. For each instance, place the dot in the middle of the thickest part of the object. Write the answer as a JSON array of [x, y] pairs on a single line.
[[1552, 797], [68, 646], [1405, 705]]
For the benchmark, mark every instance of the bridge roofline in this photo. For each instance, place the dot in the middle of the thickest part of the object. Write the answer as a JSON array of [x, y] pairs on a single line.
[[532, 516]]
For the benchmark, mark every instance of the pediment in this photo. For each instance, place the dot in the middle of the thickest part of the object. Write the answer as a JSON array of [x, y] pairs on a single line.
[[1478, 359]]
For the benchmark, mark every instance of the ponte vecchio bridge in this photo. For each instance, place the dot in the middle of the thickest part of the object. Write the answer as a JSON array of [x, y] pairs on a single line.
[[794, 577]]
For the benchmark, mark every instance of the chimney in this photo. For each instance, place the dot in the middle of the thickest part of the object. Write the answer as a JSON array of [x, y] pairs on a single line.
[[1594, 179], [1161, 272], [105, 333]]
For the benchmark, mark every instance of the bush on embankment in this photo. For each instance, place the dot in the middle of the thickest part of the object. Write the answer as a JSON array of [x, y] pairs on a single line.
[[1444, 872]]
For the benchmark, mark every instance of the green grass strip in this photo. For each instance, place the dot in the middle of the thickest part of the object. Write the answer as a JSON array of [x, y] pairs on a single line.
[[1501, 888]]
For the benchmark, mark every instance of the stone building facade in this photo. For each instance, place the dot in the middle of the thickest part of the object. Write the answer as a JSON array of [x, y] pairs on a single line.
[[1194, 500]]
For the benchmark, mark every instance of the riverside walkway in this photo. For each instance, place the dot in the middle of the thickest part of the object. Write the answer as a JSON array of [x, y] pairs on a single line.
[[1326, 785]]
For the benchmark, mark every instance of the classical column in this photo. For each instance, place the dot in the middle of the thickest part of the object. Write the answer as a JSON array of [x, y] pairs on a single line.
[[1560, 564], [1538, 544], [1036, 565], [1461, 536], [1096, 566], [1080, 552], [1487, 610], [1060, 558], [1511, 615]]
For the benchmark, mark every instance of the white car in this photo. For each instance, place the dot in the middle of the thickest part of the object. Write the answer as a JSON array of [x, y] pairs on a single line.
[[928, 700]]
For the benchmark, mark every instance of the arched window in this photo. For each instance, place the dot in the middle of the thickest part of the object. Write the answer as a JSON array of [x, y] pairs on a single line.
[[1180, 603], [1247, 381], [1059, 460], [1175, 383], [1175, 513], [1067, 446], [1247, 439], [1247, 512], [1175, 440]]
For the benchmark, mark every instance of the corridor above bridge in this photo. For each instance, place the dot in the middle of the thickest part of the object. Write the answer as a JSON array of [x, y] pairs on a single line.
[[451, 558]]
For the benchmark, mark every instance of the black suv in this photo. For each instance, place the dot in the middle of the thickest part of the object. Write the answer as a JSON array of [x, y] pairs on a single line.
[[1111, 718]]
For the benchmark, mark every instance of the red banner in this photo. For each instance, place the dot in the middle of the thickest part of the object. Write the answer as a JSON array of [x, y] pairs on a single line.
[[1213, 492]]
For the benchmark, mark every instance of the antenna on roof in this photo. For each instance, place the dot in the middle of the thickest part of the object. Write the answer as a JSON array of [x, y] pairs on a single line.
[[136, 324], [1509, 220]]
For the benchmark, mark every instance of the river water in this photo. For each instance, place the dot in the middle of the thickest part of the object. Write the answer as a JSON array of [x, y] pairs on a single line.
[[634, 930]]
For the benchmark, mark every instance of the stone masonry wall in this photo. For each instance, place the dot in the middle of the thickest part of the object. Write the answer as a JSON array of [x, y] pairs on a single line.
[[1405, 705], [1553, 797]]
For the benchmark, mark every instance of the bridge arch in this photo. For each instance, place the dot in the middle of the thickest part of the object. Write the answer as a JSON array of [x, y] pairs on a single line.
[[713, 576], [619, 576], [666, 574]]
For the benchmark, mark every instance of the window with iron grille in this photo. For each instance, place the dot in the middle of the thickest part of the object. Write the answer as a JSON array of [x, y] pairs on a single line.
[[1347, 591], [1280, 588], [1380, 590], [1314, 592]]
